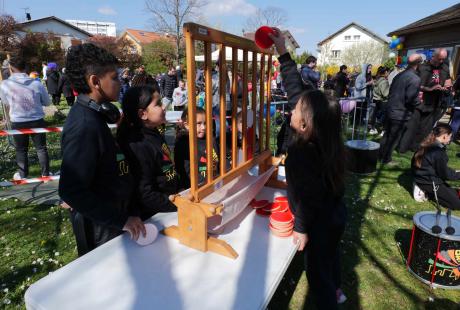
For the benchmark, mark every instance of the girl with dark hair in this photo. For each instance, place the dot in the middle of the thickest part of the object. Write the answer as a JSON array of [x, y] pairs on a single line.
[[315, 176], [430, 168], [141, 138]]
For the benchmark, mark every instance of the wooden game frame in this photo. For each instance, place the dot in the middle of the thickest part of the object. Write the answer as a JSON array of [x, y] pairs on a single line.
[[193, 213]]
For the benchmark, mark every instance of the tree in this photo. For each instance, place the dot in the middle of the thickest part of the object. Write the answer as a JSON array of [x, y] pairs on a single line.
[[272, 16], [39, 47], [300, 59], [367, 52], [8, 39], [170, 15], [123, 49], [158, 56]]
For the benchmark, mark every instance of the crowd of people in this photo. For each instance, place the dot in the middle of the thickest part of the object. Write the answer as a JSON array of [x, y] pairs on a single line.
[[112, 184]]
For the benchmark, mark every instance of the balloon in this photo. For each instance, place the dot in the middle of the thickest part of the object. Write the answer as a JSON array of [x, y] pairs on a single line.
[[404, 60], [347, 105], [399, 47], [402, 39], [396, 41], [394, 37], [392, 54], [392, 45], [398, 60]]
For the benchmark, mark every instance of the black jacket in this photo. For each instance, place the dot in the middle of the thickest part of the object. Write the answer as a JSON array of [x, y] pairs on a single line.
[[182, 160], [434, 167], [64, 86], [95, 179], [153, 169], [294, 88], [168, 84], [341, 83], [403, 96], [311, 201], [52, 82]]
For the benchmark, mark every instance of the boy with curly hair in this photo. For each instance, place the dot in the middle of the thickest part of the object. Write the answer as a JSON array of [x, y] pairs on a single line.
[[95, 178]]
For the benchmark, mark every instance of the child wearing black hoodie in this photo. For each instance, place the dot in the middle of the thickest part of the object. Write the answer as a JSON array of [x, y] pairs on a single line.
[[430, 168], [182, 150], [141, 137], [95, 178]]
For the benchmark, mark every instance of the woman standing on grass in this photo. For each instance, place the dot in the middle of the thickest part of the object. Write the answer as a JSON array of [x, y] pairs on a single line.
[[315, 177]]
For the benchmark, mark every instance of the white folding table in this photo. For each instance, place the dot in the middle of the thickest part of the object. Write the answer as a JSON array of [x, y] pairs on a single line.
[[167, 275]]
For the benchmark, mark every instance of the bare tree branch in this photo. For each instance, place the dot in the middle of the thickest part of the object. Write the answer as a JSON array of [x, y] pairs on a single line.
[[170, 15], [271, 16]]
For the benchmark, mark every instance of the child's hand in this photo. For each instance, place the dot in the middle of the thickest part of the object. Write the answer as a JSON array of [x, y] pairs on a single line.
[[301, 239], [135, 226], [279, 41]]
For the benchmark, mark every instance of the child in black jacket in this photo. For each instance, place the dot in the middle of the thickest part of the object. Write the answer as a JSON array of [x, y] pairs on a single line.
[[182, 150], [141, 138], [315, 178], [430, 169], [95, 179]]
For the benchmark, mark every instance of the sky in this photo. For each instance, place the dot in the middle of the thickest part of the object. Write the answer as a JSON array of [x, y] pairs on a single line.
[[308, 21]]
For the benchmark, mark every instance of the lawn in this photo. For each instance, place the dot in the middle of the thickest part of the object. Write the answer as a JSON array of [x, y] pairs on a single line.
[[36, 240]]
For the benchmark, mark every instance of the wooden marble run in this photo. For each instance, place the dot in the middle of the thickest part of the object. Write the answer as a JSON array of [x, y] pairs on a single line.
[[193, 212]]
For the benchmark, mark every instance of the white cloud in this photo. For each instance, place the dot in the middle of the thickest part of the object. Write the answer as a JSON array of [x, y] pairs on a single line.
[[228, 7], [296, 30], [107, 10]]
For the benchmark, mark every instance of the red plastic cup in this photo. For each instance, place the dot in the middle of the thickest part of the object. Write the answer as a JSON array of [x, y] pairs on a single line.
[[261, 37]]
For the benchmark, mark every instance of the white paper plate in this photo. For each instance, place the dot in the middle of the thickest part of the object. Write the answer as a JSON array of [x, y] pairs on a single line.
[[152, 233]]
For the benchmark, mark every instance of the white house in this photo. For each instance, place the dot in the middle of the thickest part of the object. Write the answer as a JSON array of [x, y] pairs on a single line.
[[94, 27], [68, 33], [334, 48]]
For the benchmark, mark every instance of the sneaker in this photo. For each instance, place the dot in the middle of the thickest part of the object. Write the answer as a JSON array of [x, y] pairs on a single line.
[[17, 176], [341, 298], [418, 194], [382, 133], [373, 131]]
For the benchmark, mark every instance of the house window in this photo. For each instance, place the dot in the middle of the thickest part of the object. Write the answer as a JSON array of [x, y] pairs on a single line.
[[347, 38], [356, 38], [335, 54]]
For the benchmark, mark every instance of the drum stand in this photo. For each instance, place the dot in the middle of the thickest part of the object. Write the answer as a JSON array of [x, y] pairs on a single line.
[[436, 229]]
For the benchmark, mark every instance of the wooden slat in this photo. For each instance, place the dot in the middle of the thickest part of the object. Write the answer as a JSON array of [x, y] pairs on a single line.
[[208, 98], [234, 106], [207, 189], [190, 50], [254, 101], [268, 122], [206, 34], [261, 103], [244, 144], [223, 104]]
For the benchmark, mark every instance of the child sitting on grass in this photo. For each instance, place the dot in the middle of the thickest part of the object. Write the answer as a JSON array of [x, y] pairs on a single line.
[[141, 137], [182, 150], [430, 168]]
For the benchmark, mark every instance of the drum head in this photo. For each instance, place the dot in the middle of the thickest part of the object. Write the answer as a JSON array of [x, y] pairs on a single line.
[[426, 219]]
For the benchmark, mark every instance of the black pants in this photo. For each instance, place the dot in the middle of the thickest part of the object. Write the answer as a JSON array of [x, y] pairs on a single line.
[[21, 143], [88, 234], [393, 132], [322, 260], [376, 113], [56, 98], [447, 196], [70, 100], [179, 108]]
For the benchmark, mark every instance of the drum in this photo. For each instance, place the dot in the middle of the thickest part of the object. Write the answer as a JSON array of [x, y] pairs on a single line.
[[435, 259], [362, 156]]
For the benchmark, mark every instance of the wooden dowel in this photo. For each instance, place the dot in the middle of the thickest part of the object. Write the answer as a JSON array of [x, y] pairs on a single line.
[[244, 144], [254, 101], [234, 106], [268, 122], [261, 96], [223, 105], [209, 137], [190, 50]]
